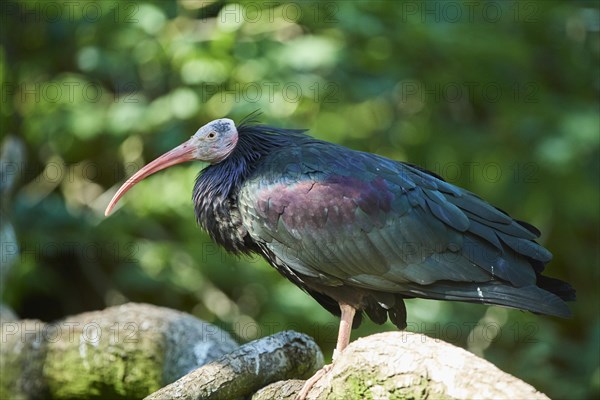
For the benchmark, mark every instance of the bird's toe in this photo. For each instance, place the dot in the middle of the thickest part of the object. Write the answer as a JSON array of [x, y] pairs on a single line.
[[310, 382]]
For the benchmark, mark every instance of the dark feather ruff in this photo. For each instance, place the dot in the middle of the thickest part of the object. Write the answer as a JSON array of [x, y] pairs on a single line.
[[216, 187]]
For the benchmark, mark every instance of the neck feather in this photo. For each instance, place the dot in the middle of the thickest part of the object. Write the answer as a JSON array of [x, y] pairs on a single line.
[[217, 186]]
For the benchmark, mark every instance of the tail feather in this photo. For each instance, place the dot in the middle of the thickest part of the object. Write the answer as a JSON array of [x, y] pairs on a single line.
[[530, 298], [560, 288]]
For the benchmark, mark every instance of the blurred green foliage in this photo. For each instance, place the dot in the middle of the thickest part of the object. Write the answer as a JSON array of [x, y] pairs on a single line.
[[499, 97]]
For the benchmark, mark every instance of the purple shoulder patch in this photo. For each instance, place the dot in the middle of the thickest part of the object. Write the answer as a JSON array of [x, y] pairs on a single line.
[[332, 201]]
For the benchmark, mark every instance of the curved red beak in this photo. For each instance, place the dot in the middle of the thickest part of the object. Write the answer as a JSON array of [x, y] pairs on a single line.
[[180, 154]]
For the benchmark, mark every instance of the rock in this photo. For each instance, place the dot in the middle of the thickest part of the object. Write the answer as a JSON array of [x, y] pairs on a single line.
[[22, 356], [398, 365], [126, 351]]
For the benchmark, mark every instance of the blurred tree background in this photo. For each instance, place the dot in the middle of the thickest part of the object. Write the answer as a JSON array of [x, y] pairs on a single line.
[[499, 97]]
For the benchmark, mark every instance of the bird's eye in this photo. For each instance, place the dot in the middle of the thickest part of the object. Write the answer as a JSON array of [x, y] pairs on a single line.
[[211, 135]]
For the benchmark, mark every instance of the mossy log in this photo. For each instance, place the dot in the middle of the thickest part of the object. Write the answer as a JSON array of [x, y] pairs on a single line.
[[127, 351], [403, 365]]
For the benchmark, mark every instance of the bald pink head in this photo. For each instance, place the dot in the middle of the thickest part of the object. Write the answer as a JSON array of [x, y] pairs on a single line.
[[212, 143]]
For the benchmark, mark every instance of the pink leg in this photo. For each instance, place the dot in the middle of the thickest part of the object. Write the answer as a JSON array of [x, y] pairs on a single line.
[[342, 341], [345, 329]]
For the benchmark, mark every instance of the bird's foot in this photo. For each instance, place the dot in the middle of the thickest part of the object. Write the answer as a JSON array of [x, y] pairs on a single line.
[[347, 316], [311, 381]]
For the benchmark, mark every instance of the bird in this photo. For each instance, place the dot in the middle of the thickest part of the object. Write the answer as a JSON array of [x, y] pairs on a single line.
[[358, 232]]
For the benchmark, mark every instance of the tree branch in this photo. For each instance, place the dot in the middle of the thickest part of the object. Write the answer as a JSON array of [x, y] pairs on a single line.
[[240, 373]]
